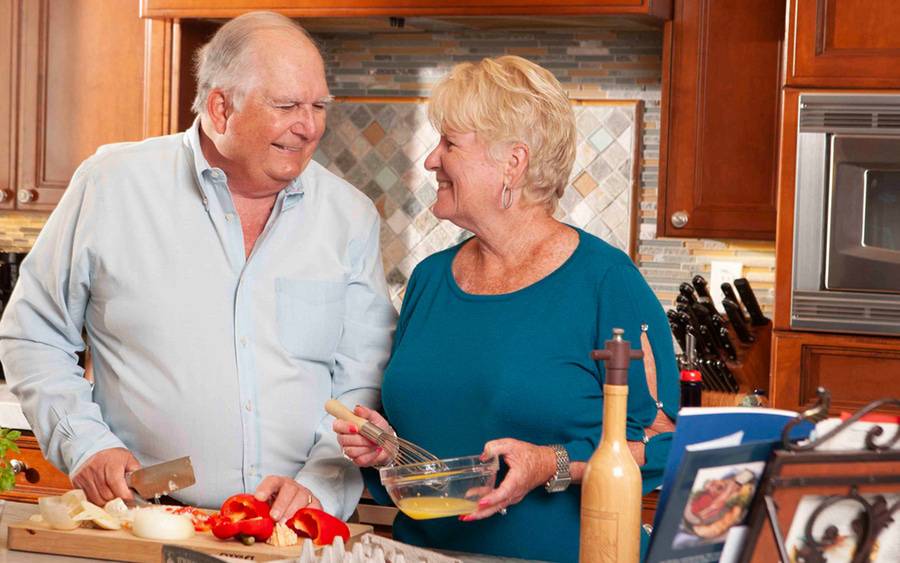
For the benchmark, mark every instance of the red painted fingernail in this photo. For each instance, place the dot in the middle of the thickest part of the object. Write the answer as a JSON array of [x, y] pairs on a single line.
[[379, 449], [466, 518], [354, 429], [482, 503]]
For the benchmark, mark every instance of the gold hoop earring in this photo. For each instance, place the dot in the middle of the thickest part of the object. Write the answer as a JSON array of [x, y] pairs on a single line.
[[506, 197]]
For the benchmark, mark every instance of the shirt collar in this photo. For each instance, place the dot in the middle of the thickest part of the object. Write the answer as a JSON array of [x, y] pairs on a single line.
[[203, 169]]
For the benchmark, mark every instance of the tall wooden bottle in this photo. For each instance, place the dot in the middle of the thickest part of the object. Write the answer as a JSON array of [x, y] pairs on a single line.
[[611, 488]]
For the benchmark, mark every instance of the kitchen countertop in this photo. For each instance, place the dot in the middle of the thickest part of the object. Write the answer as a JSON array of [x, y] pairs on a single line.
[[18, 511]]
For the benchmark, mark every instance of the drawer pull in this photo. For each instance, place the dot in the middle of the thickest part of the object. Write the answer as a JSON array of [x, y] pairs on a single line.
[[32, 475]]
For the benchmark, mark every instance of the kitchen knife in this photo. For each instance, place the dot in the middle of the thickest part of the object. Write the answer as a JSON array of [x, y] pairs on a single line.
[[726, 374], [725, 339], [733, 310], [748, 298], [703, 296], [163, 478], [678, 330], [728, 292], [711, 332], [687, 290]]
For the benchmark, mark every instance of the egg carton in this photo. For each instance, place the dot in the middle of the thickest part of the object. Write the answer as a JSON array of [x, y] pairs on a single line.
[[370, 548]]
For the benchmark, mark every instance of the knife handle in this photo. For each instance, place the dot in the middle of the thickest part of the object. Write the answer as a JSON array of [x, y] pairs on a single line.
[[728, 293], [725, 339], [687, 290], [700, 285], [733, 311], [749, 300]]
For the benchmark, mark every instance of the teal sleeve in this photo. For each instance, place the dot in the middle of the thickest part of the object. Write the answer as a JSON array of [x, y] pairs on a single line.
[[627, 302]]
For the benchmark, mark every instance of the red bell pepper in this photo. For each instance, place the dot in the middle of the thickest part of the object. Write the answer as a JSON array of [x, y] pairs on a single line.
[[244, 506], [243, 516], [318, 525]]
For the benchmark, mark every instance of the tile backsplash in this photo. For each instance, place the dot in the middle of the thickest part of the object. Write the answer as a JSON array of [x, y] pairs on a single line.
[[623, 67]]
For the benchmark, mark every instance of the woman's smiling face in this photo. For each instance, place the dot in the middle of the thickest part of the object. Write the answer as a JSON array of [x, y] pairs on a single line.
[[469, 179]]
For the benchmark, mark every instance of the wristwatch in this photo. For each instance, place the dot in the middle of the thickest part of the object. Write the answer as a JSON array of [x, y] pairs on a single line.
[[562, 478]]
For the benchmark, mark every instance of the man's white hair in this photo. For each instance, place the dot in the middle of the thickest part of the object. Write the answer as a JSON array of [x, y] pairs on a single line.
[[226, 62]]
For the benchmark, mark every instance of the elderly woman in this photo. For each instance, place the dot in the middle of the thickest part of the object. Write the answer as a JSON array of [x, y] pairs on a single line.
[[492, 347]]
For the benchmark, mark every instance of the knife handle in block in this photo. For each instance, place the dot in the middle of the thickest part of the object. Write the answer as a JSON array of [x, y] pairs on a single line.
[[748, 298], [336, 409]]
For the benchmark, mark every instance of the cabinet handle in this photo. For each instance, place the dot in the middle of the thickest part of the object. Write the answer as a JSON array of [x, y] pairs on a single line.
[[32, 475], [27, 196], [679, 219], [5, 195]]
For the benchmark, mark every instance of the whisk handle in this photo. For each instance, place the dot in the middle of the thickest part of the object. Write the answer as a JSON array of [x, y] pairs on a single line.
[[336, 409]]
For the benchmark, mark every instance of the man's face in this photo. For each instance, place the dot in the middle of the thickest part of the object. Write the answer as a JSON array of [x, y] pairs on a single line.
[[272, 134]]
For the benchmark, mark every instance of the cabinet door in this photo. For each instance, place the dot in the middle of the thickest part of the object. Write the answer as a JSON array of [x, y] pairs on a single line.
[[81, 86], [856, 369], [8, 19], [844, 43], [720, 119]]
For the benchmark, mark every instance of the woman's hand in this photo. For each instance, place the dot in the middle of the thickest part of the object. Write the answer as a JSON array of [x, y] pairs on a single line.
[[357, 449], [530, 466]]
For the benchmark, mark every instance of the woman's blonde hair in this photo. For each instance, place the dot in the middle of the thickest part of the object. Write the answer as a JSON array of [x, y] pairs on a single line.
[[507, 100]]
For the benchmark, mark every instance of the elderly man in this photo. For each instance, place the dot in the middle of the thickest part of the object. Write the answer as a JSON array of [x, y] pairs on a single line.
[[228, 287]]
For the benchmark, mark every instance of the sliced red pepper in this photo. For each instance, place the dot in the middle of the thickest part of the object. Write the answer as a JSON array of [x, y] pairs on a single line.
[[318, 525], [243, 507], [224, 528], [260, 527]]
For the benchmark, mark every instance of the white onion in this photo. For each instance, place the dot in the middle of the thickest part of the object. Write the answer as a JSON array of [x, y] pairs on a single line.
[[154, 524], [56, 513]]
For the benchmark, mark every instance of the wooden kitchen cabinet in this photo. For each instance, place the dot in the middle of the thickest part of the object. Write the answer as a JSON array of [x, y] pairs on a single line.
[[718, 149], [844, 43], [651, 9], [39, 478], [855, 369], [76, 81]]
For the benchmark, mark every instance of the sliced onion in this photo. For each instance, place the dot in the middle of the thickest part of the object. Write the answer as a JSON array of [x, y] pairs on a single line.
[[154, 524], [73, 500], [56, 513], [92, 513]]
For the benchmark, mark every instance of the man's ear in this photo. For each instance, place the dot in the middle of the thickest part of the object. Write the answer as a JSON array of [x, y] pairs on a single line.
[[218, 109], [516, 163]]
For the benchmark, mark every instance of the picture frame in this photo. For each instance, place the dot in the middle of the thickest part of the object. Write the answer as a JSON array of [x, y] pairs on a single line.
[[827, 506]]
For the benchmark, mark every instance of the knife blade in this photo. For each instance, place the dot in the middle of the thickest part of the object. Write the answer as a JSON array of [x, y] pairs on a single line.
[[733, 310], [162, 478], [750, 302]]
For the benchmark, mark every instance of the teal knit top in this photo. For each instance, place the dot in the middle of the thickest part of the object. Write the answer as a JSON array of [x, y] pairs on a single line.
[[467, 369]]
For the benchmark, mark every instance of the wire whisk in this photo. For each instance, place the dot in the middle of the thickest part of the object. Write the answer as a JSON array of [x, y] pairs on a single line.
[[401, 452]]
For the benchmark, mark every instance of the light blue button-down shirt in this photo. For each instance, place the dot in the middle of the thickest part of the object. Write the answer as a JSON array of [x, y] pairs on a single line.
[[198, 350]]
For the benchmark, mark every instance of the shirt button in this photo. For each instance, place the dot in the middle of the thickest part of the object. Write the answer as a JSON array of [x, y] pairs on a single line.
[[249, 407], [244, 341], [229, 217]]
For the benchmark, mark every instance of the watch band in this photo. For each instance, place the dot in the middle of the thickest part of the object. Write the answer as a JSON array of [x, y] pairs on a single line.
[[562, 478]]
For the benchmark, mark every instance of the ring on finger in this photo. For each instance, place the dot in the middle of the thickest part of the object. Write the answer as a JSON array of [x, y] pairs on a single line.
[[502, 512], [344, 453], [308, 500]]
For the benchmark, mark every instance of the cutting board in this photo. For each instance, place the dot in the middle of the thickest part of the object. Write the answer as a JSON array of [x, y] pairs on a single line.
[[122, 545]]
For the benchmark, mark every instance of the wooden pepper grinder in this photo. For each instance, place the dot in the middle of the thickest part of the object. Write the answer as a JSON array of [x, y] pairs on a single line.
[[611, 488]]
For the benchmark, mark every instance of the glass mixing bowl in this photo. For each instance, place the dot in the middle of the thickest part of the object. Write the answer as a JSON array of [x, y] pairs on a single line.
[[436, 489]]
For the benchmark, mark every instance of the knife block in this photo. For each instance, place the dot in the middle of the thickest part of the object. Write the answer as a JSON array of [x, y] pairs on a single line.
[[750, 369]]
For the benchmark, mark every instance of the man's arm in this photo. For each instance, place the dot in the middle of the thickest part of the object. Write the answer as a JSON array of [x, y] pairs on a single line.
[[359, 363], [40, 335]]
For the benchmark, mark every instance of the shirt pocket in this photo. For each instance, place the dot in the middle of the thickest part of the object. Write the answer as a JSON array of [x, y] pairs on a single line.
[[310, 317]]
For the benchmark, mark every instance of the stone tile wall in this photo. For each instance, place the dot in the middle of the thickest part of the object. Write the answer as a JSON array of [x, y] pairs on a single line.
[[591, 64]]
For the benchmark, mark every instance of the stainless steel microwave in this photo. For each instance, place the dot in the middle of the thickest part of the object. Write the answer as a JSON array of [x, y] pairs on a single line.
[[846, 262]]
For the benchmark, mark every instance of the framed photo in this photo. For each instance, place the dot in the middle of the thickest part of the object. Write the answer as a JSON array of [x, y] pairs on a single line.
[[827, 507]]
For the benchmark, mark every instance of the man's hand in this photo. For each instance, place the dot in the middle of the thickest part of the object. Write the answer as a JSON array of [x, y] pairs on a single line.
[[102, 477], [289, 496]]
